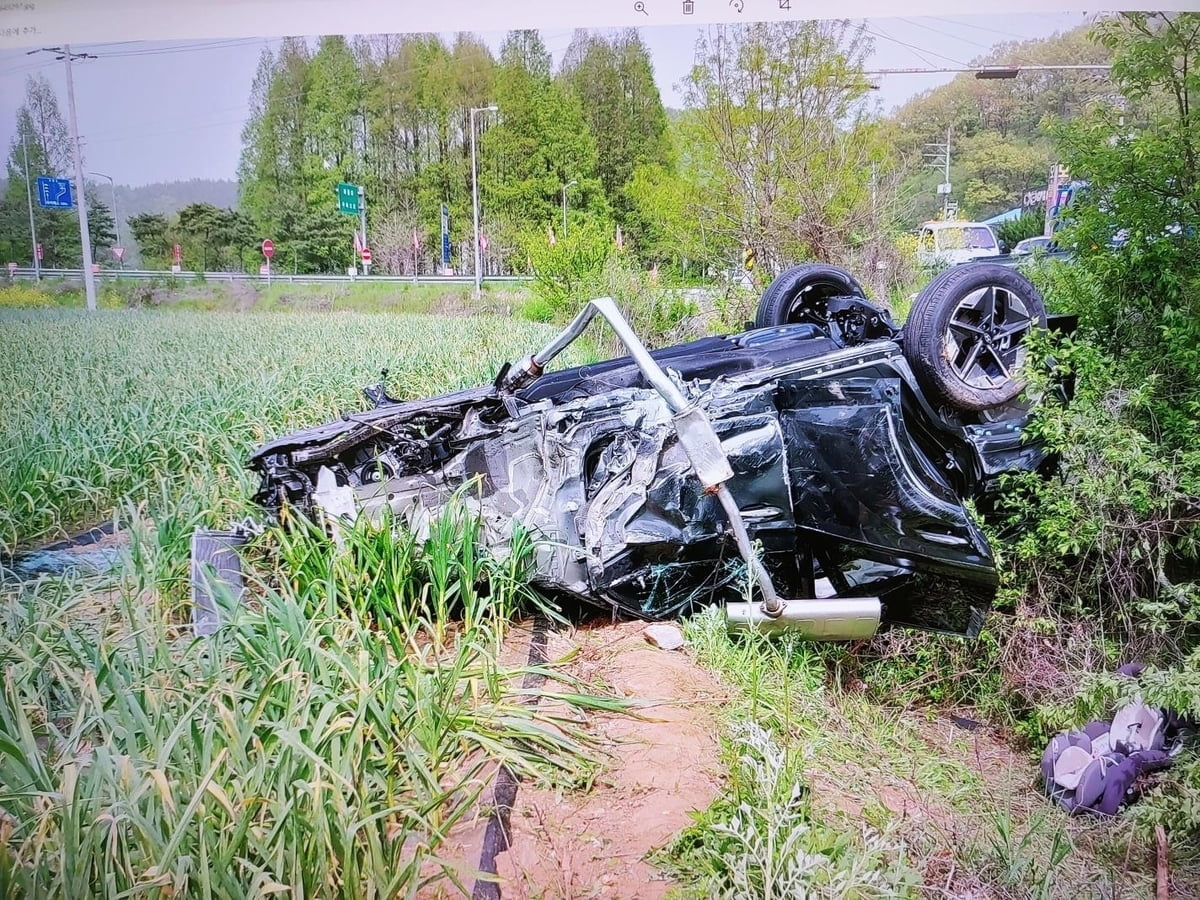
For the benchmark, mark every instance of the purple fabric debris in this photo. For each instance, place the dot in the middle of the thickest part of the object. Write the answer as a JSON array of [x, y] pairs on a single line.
[[1140, 739]]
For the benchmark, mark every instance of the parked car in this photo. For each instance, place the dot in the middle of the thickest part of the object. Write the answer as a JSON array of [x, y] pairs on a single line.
[[1032, 245], [951, 243], [826, 452]]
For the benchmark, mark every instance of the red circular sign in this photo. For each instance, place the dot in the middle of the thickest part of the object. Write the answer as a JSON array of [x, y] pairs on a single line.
[[268, 248], [366, 254]]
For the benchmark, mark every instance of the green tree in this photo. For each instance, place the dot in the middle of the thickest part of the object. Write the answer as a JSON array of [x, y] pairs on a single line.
[[613, 79], [778, 141], [41, 134], [214, 239], [150, 230], [998, 171], [540, 144], [1140, 157], [998, 127], [101, 226]]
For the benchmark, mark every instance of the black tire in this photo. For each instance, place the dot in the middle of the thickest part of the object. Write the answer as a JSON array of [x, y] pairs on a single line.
[[965, 334], [799, 295]]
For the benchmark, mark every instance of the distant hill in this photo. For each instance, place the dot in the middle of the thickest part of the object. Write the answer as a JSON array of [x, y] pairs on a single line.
[[169, 197], [1000, 129]]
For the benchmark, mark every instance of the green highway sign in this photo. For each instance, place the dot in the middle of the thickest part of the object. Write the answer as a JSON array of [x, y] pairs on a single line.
[[347, 195]]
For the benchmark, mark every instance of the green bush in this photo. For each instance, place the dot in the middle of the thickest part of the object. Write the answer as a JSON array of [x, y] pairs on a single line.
[[1107, 553], [587, 265], [563, 271], [1117, 532], [763, 838], [1027, 225]]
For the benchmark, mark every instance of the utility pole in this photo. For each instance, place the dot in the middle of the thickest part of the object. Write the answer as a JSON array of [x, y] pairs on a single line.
[[874, 191], [85, 238], [564, 204], [939, 158], [89, 281], [37, 265], [362, 218], [475, 199]]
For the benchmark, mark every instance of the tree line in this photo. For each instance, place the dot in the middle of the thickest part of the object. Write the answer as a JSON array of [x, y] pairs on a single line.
[[776, 149], [42, 146]]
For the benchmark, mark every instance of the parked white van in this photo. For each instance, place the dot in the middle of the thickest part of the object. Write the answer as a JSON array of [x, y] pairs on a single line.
[[950, 243]]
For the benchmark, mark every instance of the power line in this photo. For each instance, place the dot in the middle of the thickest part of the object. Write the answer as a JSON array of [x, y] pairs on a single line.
[[116, 138], [918, 50], [1007, 34], [148, 51], [997, 72], [186, 48], [947, 34]]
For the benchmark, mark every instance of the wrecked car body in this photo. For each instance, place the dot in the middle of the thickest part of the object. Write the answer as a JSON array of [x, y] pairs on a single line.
[[809, 474]]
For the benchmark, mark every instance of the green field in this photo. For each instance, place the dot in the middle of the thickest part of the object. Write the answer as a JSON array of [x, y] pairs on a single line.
[[138, 405], [327, 740]]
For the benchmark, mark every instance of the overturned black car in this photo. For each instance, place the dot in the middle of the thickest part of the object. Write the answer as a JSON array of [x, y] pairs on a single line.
[[809, 474]]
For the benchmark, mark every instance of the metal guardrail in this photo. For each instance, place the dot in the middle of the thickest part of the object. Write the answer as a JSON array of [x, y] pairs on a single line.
[[218, 277]]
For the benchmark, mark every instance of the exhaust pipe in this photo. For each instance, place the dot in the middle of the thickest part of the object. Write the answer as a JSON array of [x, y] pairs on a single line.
[[829, 619]]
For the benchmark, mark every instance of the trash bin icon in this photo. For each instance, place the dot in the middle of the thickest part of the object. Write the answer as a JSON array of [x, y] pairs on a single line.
[[689, 7]]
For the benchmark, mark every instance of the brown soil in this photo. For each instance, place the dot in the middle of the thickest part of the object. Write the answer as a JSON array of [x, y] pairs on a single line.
[[657, 767]]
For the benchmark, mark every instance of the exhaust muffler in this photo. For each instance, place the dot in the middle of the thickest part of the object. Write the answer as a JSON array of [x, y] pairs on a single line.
[[828, 619]]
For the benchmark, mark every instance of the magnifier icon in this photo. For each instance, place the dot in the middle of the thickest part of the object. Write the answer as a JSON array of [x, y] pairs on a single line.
[[640, 7]]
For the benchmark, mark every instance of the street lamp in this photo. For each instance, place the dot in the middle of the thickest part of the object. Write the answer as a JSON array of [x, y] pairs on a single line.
[[564, 201], [475, 196], [116, 217]]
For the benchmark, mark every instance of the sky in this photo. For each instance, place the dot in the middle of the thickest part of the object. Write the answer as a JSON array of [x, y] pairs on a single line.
[[163, 111]]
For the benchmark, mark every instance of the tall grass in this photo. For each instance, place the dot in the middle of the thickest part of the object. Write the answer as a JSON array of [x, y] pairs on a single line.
[[943, 802], [322, 744], [765, 836], [148, 405]]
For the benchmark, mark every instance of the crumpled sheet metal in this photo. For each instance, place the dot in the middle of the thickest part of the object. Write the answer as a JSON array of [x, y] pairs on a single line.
[[606, 484]]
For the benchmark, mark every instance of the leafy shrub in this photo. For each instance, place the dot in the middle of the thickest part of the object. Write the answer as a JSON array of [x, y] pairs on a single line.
[[764, 839], [1117, 532], [1027, 225], [21, 294], [587, 265], [563, 271]]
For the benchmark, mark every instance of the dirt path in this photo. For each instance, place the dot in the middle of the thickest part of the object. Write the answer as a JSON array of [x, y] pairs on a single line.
[[656, 768], [664, 765]]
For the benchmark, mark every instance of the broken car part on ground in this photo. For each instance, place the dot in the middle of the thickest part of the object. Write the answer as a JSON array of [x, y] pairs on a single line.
[[826, 453]]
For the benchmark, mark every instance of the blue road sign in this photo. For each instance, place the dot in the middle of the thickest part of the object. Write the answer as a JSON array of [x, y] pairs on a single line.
[[54, 193]]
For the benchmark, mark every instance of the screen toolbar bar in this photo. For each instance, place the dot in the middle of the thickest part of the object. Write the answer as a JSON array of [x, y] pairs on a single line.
[[33, 23]]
